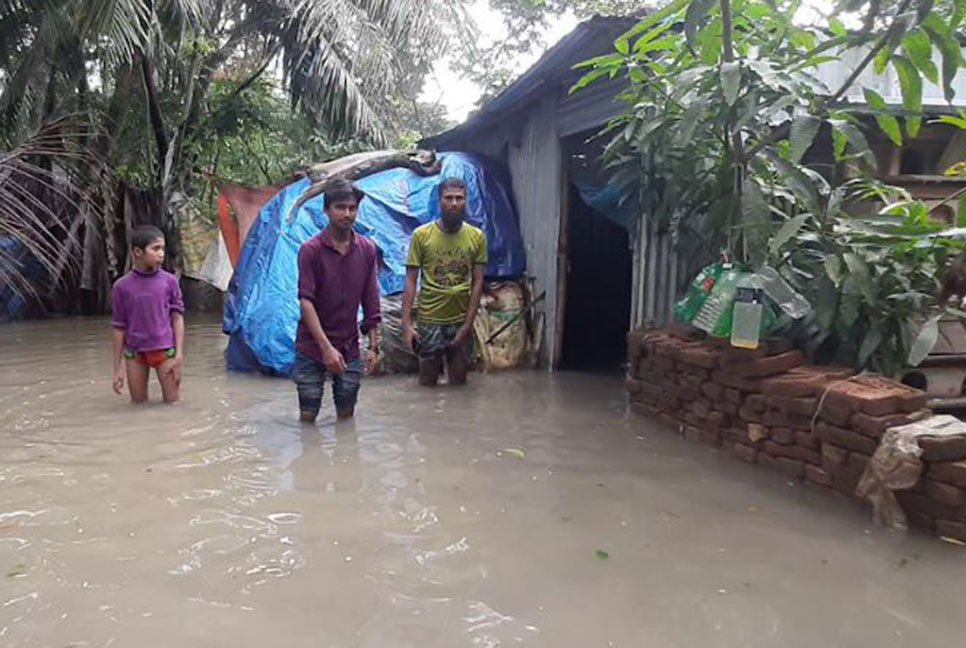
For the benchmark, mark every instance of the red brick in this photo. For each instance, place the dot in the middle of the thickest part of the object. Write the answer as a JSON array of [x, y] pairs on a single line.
[[744, 452], [732, 356], [662, 363], [711, 437], [730, 379], [699, 356], [951, 529], [858, 461], [835, 413], [748, 414], [644, 410], [736, 435], [951, 472], [756, 402], [949, 448], [733, 396], [911, 501], [791, 467], [804, 381], [757, 432], [802, 406], [835, 454], [669, 421], [777, 419], [818, 475], [846, 438], [944, 493], [635, 344], [727, 407], [807, 440], [691, 382], [873, 395], [845, 479], [913, 400], [700, 406], [875, 426], [782, 435], [793, 452], [713, 391], [770, 366]]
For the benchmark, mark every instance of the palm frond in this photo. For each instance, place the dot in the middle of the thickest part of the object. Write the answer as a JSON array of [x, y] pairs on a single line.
[[46, 193]]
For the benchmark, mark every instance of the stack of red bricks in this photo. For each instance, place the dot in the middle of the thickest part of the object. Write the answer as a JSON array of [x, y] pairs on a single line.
[[820, 424]]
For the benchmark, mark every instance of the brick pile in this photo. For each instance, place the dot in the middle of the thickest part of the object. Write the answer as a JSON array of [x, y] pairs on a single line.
[[818, 424]]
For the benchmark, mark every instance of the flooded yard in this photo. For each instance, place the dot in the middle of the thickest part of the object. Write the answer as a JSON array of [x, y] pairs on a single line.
[[526, 509]]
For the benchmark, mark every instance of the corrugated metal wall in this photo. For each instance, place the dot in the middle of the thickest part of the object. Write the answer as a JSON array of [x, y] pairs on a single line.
[[535, 165], [659, 272]]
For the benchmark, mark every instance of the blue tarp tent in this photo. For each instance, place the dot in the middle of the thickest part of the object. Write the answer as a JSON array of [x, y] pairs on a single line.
[[262, 311]]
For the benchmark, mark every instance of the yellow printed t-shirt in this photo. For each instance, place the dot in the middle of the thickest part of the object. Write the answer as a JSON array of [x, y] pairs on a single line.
[[447, 262]]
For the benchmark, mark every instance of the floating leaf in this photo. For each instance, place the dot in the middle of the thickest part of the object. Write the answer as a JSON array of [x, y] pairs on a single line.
[[925, 341], [603, 555], [18, 570], [515, 452]]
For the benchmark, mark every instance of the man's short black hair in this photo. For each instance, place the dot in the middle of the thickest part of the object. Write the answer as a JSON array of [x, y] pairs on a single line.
[[145, 235], [451, 183], [338, 189]]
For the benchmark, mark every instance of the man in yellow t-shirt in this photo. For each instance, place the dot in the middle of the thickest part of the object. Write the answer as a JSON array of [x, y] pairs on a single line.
[[449, 258]]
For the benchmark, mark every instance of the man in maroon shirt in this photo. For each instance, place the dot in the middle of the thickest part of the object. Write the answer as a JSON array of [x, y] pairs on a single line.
[[337, 272]]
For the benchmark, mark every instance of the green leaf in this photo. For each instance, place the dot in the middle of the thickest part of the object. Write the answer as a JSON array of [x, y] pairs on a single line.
[[961, 212], [603, 555], [858, 142], [870, 343], [588, 78], [924, 8], [952, 56], [787, 232], [859, 272], [653, 19], [622, 46], [756, 216], [839, 142], [833, 268], [888, 123], [730, 81], [918, 48], [837, 28], [804, 130], [925, 341], [959, 12], [910, 83], [694, 19], [798, 181]]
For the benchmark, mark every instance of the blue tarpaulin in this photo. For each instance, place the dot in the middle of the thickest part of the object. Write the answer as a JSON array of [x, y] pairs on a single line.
[[262, 310]]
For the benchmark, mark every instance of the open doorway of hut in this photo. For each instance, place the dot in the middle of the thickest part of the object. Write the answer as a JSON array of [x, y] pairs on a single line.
[[598, 278]]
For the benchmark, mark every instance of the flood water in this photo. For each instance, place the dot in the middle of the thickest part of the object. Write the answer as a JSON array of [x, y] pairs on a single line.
[[224, 522]]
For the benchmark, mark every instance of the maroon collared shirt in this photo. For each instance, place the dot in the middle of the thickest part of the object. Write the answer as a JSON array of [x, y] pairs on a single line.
[[337, 284]]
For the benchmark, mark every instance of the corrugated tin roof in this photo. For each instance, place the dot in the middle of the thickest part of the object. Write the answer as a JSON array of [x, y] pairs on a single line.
[[556, 62]]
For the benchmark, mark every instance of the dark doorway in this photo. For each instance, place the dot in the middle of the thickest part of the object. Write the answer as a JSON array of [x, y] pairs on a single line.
[[598, 290]]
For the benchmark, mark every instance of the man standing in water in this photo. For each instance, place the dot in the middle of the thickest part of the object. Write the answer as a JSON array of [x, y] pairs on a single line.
[[337, 273], [449, 258]]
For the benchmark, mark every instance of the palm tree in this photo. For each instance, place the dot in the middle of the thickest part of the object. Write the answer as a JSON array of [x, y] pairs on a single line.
[[131, 63]]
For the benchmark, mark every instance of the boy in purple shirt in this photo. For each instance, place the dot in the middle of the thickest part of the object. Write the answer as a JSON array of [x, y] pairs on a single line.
[[337, 272], [148, 319]]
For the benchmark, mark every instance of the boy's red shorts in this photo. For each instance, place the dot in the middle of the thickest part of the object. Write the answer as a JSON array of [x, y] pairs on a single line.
[[153, 359]]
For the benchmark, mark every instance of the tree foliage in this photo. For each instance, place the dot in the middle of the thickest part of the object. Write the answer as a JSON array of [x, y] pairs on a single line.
[[724, 108]]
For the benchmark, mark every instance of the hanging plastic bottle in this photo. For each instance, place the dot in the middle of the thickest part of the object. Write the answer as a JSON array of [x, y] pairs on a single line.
[[791, 302], [747, 313]]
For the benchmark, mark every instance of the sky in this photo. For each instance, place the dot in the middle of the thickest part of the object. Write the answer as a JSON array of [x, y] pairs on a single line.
[[459, 96]]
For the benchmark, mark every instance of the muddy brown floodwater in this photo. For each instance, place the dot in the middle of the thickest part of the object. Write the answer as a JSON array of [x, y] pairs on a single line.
[[224, 522]]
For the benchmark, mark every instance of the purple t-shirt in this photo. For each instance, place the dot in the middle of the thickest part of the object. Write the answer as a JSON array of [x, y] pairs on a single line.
[[337, 284], [141, 304]]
